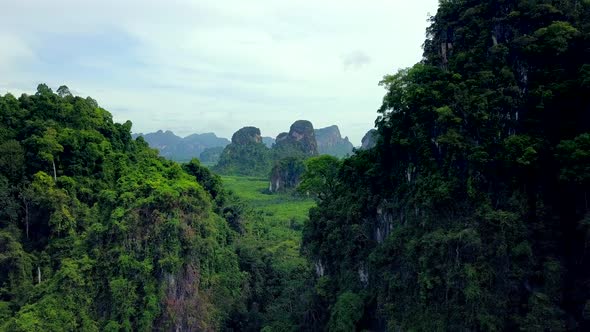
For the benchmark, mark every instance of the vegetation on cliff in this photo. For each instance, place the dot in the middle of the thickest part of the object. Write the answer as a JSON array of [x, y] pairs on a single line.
[[471, 212], [246, 155], [98, 233], [465, 210]]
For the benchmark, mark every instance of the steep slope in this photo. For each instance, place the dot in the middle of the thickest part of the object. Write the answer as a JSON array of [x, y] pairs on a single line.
[[470, 214], [330, 142], [98, 233], [289, 152], [369, 140], [300, 141]]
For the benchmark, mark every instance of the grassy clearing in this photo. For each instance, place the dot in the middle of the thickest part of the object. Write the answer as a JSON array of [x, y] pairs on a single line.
[[277, 220], [283, 207]]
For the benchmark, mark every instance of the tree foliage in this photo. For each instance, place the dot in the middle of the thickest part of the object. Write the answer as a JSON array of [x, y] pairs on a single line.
[[471, 211], [98, 233]]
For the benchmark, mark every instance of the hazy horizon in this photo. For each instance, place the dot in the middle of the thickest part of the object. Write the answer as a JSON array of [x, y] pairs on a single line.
[[197, 67]]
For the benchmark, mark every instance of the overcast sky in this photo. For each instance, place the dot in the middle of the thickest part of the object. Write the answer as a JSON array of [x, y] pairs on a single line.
[[215, 65]]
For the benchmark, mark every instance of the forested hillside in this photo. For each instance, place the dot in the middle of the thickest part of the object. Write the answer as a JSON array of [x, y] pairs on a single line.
[[471, 212], [98, 233], [246, 155]]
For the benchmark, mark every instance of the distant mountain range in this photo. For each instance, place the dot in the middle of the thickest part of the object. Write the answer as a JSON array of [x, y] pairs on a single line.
[[182, 149], [179, 148], [208, 146]]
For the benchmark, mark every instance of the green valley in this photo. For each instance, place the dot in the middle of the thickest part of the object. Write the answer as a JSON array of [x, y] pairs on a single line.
[[283, 208], [466, 208], [270, 251]]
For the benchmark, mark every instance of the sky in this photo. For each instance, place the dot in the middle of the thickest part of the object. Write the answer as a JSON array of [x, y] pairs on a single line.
[[215, 65]]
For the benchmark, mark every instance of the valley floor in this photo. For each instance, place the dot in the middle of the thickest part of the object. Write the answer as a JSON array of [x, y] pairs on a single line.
[[270, 254], [280, 217]]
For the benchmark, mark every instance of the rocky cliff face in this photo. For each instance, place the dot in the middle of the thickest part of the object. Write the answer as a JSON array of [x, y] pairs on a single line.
[[286, 174], [369, 140], [299, 141], [289, 151], [247, 135], [330, 142]]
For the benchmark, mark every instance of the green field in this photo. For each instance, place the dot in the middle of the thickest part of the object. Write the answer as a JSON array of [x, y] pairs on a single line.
[[278, 218], [254, 191]]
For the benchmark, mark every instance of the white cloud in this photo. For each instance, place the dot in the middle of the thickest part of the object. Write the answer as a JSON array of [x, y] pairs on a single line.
[[355, 60], [198, 66]]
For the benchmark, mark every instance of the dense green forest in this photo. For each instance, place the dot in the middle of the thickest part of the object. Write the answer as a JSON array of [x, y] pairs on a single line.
[[471, 213], [99, 233], [466, 211]]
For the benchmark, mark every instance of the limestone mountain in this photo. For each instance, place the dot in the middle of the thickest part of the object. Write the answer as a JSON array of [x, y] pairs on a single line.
[[245, 155], [178, 148], [330, 142], [300, 141], [289, 152], [369, 140], [98, 233], [246, 136]]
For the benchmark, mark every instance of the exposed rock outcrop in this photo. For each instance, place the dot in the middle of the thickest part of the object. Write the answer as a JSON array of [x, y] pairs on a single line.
[[384, 222], [330, 142], [289, 151], [300, 141], [246, 135], [286, 174], [320, 269], [281, 137], [369, 140]]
